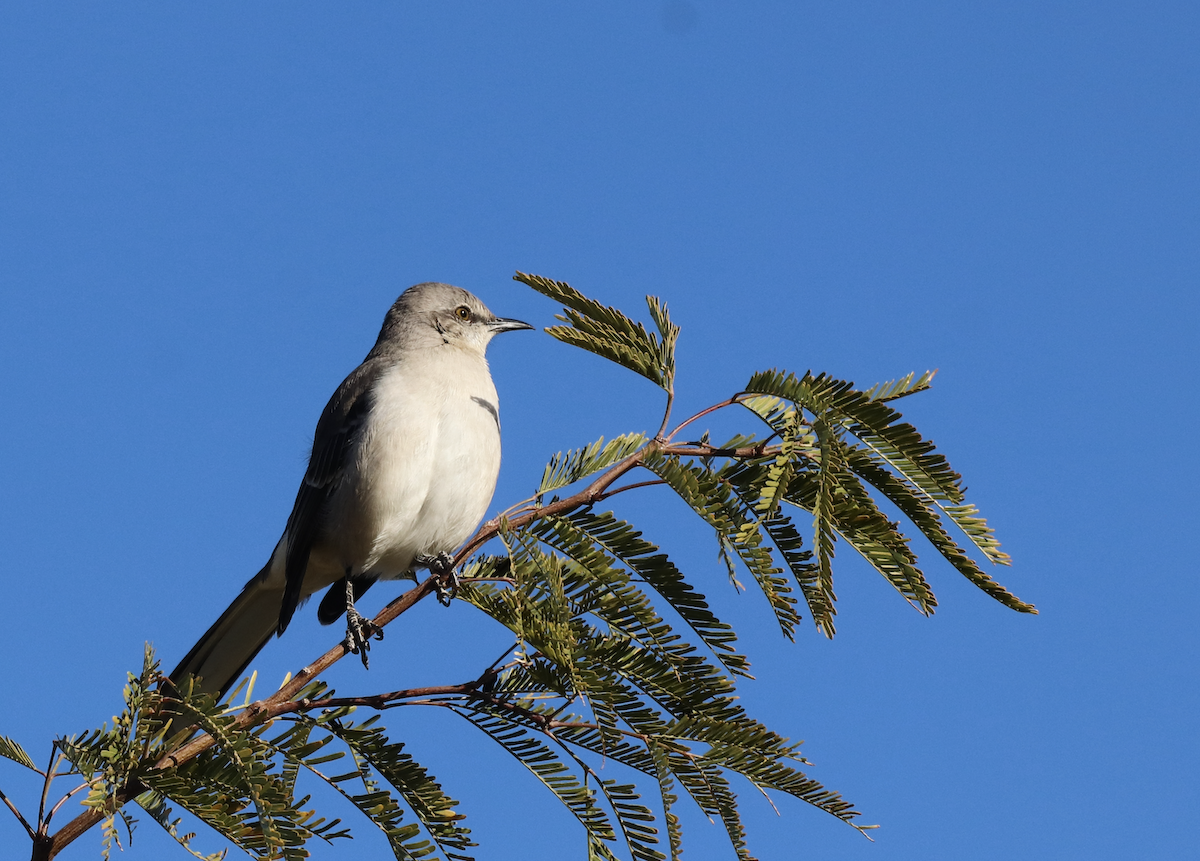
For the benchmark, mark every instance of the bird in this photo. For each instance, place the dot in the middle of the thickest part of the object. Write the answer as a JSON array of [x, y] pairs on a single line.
[[404, 463]]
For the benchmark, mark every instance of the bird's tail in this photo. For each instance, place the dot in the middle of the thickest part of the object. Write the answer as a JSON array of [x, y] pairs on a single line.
[[234, 639]]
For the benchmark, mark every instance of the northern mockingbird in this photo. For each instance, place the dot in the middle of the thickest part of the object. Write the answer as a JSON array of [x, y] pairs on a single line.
[[403, 466]]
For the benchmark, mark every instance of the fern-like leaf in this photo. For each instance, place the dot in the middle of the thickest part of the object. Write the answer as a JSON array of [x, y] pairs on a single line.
[[545, 765], [568, 468], [907, 385], [156, 806], [607, 332], [436, 812], [10, 749], [605, 534], [917, 509], [872, 421], [714, 501]]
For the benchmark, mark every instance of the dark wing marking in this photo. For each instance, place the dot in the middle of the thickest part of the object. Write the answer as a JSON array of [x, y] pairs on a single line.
[[333, 443], [490, 407]]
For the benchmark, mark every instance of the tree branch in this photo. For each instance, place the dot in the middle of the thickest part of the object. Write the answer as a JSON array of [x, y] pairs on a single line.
[[283, 700]]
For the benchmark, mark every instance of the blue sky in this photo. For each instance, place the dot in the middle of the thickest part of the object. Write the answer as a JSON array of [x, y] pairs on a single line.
[[205, 210]]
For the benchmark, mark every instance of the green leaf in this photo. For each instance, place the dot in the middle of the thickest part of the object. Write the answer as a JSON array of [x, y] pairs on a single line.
[[977, 530], [633, 818], [235, 786], [437, 812], [746, 480], [823, 507], [857, 517], [709, 788], [714, 501], [607, 332], [872, 421], [266, 791], [666, 789], [566, 469], [155, 805], [762, 757], [907, 385], [544, 764], [10, 749], [918, 509], [669, 333], [590, 537]]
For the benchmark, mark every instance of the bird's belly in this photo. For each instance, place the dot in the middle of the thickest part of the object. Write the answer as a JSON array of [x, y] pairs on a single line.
[[434, 472], [459, 491]]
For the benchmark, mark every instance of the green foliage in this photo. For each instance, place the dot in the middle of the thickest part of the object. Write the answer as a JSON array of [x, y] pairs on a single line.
[[736, 525], [600, 674], [619, 693], [156, 808], [566, 469], [10, 749], [437, 828], [609, 333], [859, 438], [245, 785], [615, 554]]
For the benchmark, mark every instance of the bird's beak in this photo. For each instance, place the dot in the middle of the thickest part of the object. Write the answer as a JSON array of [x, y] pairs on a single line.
[[505, 324]]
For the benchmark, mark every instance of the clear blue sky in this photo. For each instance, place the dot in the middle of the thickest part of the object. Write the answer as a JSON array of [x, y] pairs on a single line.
[[206, 209]]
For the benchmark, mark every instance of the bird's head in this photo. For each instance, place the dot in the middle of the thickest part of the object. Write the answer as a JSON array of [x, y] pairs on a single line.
[[433, 314]]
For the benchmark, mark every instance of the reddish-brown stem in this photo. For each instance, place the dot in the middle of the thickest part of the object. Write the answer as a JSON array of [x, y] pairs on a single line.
[[380, 701], [255, 713], [624, 487], [735, 399]]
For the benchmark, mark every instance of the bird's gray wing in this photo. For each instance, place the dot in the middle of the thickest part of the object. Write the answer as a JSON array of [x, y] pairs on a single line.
[[221, 655], [333, 446]]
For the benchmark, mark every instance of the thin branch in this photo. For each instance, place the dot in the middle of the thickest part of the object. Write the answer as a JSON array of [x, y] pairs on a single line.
[[703, 449], [491, 669], [63, 801], [763, 790], [588, 495], [734, 400], [55, 759], [32, 834], [626, 487], [379, 701], [253, 714], [526, 504], [666, 414]]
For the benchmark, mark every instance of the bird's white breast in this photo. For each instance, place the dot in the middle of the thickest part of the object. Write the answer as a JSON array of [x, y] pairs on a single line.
[[434, 447]]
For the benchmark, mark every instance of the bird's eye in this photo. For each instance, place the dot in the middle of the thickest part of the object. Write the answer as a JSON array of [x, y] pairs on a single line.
[[462, 312]]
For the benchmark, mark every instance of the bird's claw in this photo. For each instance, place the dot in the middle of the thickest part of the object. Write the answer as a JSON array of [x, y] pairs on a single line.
[[447, 587], [442, 568], [359, 631]]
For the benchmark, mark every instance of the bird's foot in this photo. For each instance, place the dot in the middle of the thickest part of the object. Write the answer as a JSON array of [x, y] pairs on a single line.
[[442, 568], [359, 629]]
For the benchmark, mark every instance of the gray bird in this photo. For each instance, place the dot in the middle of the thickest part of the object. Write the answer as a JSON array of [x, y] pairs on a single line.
[[403, 467]]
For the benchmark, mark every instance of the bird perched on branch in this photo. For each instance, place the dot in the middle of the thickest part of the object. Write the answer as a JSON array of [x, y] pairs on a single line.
[[403, 467]]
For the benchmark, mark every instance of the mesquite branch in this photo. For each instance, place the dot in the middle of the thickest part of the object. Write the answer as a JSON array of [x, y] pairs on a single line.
[[284, 701]]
